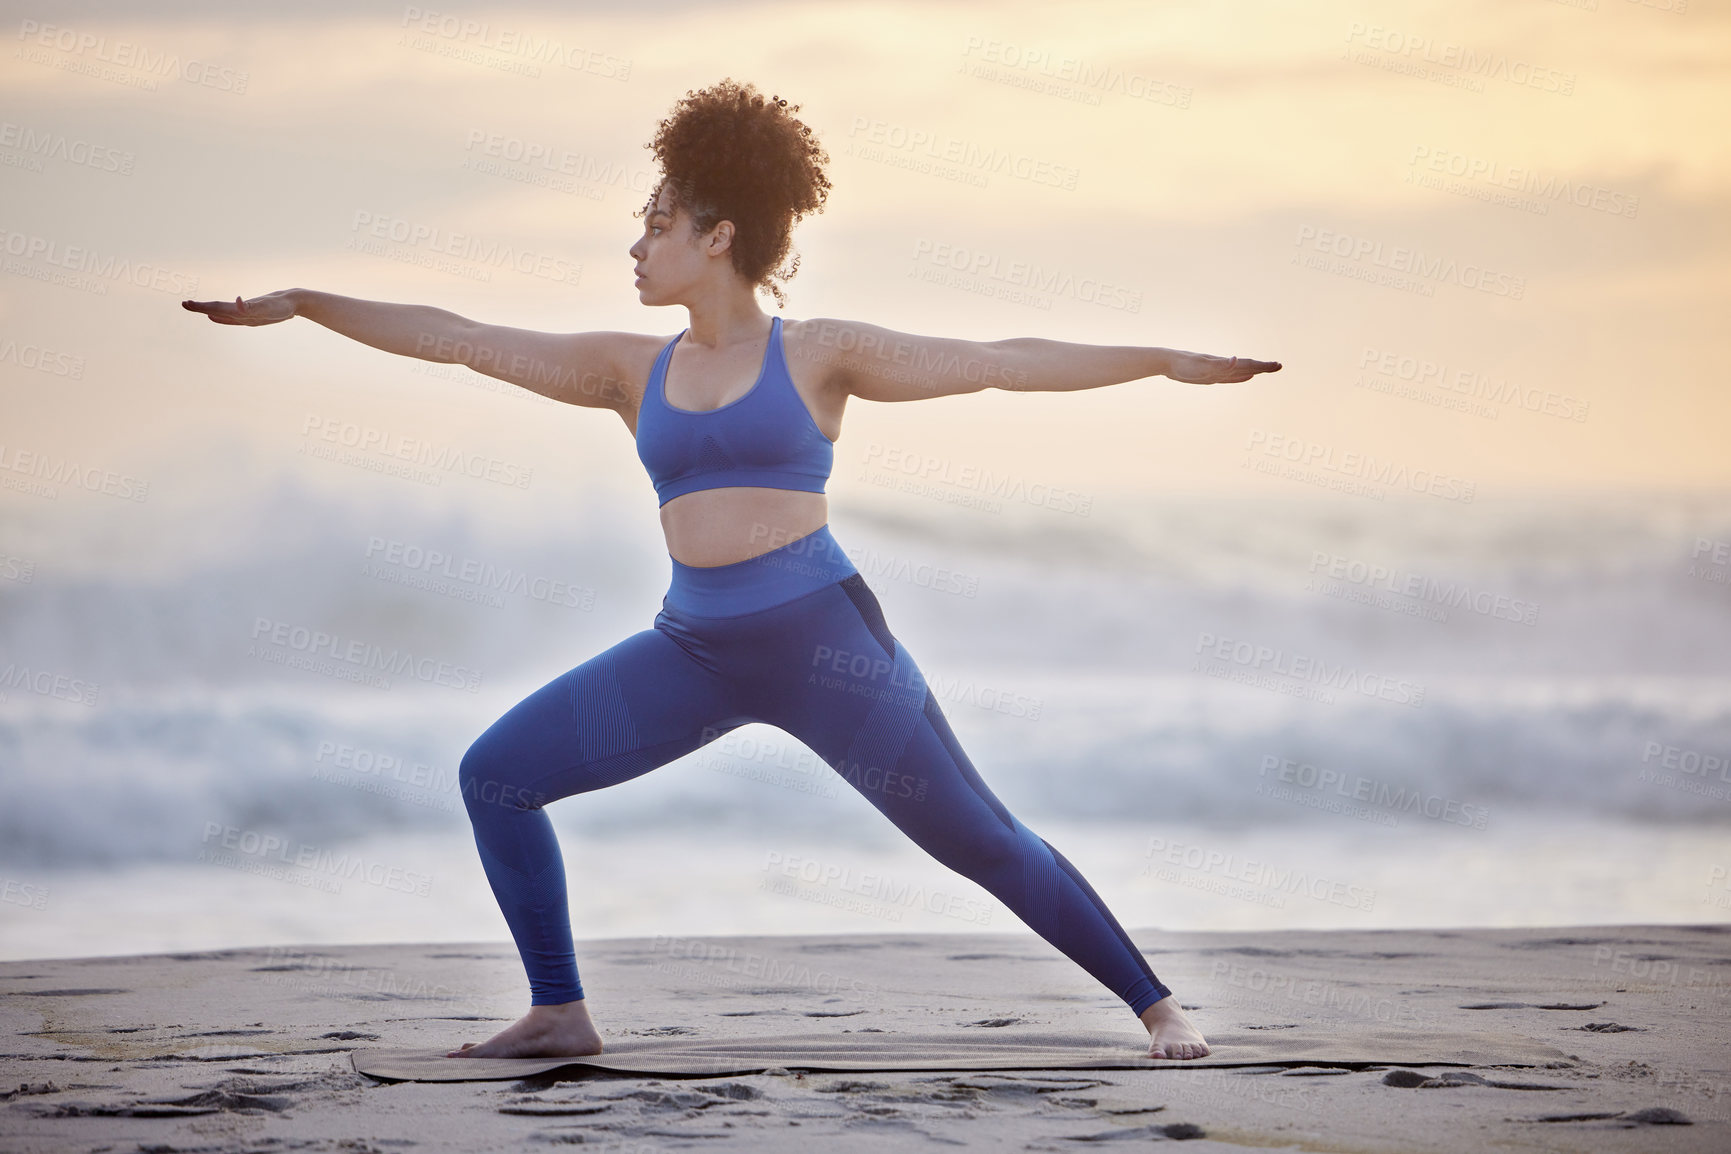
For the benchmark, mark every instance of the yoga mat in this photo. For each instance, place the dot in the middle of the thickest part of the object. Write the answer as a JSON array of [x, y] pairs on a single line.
[[954, 1050]]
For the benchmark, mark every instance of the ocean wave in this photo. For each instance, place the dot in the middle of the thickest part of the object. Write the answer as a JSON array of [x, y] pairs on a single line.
[[1204, 659]]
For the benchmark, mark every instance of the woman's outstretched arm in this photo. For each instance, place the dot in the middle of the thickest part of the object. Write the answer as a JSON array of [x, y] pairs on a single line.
[[880, 364], [577, 368]]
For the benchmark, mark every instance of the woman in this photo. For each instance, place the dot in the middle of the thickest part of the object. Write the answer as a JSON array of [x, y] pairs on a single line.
[[766, 619]]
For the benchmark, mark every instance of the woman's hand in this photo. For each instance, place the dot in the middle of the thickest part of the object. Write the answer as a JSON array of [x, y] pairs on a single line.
[[265, 310], [1202, 369]]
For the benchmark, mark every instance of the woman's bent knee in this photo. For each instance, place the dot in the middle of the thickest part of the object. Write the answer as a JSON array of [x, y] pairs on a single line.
[[485, 782]]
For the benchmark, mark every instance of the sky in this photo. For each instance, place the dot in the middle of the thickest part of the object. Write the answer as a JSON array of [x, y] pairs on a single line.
[[1488, 241]]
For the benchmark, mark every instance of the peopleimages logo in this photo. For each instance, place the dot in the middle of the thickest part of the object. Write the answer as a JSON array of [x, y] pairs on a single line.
[[483, 251], [239, 848], [1550, 188], [1273, 880], [1398, 266], [354, 659], [23, 893], [1259, 661], [418, 453], [101, 267], [1422, 55], [1466, 383], [1398, 799], [1348, 470], [763, 969], [872, 887], [474, 579], [928, 470], [38, 144], [887, 142], [1689, 770], [992, 270], [1427, 595], [52, 472], [48, 683], [125, 54], [465, 32], [580, 166], [1067, 76], [40, 359]]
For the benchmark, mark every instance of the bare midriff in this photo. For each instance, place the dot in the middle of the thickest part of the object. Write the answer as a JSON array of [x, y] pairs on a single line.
[[721, 526]]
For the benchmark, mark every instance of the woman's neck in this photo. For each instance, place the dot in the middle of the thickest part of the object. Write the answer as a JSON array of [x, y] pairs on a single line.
[[720, 321]]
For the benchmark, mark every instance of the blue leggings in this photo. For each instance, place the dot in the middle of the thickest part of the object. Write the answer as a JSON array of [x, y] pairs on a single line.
[[792, 638]]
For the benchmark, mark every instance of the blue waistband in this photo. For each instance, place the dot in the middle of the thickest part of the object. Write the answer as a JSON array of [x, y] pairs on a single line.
[[803, 565]]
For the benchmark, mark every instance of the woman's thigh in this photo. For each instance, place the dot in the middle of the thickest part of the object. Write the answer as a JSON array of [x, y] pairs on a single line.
[[638, 705], [846, 686]]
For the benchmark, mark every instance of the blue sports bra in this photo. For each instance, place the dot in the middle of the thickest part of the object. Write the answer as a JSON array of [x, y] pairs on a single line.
[[765, 438]]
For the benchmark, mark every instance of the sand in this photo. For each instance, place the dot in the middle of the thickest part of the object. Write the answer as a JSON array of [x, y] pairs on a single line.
[[1597, 1038]]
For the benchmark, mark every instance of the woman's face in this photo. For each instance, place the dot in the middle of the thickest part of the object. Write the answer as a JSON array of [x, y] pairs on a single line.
[[671, 260]]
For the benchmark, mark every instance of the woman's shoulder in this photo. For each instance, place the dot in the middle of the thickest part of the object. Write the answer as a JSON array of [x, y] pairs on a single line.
[[824, 332]]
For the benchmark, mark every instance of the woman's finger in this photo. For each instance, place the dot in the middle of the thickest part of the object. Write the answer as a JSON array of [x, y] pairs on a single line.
[[212, 309], [1244, 369]]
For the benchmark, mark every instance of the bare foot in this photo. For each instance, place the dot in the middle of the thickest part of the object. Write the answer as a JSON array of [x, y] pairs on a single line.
[[1170, 1033], [556, 1031]]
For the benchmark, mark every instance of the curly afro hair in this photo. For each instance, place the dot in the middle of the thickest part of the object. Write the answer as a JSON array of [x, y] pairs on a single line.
[[729, 153]]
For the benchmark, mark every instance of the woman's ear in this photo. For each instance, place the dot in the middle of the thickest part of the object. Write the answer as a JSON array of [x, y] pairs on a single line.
[[720, 238]]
